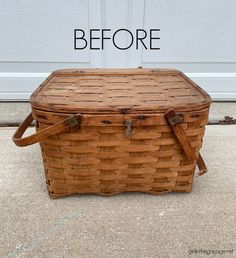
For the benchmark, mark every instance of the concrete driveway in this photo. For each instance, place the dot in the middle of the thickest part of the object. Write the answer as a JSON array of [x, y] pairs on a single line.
[[199, 224]]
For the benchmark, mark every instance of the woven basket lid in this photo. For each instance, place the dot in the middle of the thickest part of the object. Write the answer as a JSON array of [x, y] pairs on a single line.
[[118, 91]]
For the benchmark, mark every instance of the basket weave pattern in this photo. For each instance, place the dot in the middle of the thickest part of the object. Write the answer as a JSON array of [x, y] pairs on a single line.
[[107, 131], [102, 159]]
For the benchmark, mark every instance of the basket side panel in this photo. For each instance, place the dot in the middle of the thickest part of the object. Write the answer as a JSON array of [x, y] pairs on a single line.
[[102, 159]]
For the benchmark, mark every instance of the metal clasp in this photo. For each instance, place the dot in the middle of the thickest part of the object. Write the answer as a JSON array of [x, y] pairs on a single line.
[[128, 129], [73, 122], [176, 119]]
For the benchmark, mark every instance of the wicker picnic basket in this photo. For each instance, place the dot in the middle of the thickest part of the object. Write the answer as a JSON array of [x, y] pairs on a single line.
[[108, 131]]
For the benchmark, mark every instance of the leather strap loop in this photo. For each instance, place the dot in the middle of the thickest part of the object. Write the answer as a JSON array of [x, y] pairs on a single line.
[[175, 120], [43, 134]]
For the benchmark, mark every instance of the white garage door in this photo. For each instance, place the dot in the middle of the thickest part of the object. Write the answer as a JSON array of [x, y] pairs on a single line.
[[197, 37]]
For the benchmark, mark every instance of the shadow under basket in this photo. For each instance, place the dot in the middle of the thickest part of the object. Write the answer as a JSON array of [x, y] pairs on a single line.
[[107, 131]]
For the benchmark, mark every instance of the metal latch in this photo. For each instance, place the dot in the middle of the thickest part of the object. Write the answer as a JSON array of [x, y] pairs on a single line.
[[128, 129], [176, 119], [73, 122]]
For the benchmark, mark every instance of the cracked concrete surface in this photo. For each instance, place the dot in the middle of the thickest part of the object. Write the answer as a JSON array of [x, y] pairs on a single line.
[[125, 225]]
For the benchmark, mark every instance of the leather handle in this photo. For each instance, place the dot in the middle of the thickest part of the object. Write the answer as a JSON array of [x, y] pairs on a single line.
[[175, 120], [41, 135]]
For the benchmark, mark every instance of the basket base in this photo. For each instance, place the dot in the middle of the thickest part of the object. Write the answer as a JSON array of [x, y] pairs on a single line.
[[109, 194]]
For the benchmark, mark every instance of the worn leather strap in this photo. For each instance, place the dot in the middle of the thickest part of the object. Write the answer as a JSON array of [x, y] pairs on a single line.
[[41, 135], [175, 120]]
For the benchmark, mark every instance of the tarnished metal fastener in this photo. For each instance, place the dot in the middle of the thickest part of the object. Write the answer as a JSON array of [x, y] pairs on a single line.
[[73, 122], [176, 119], [128, 129]]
